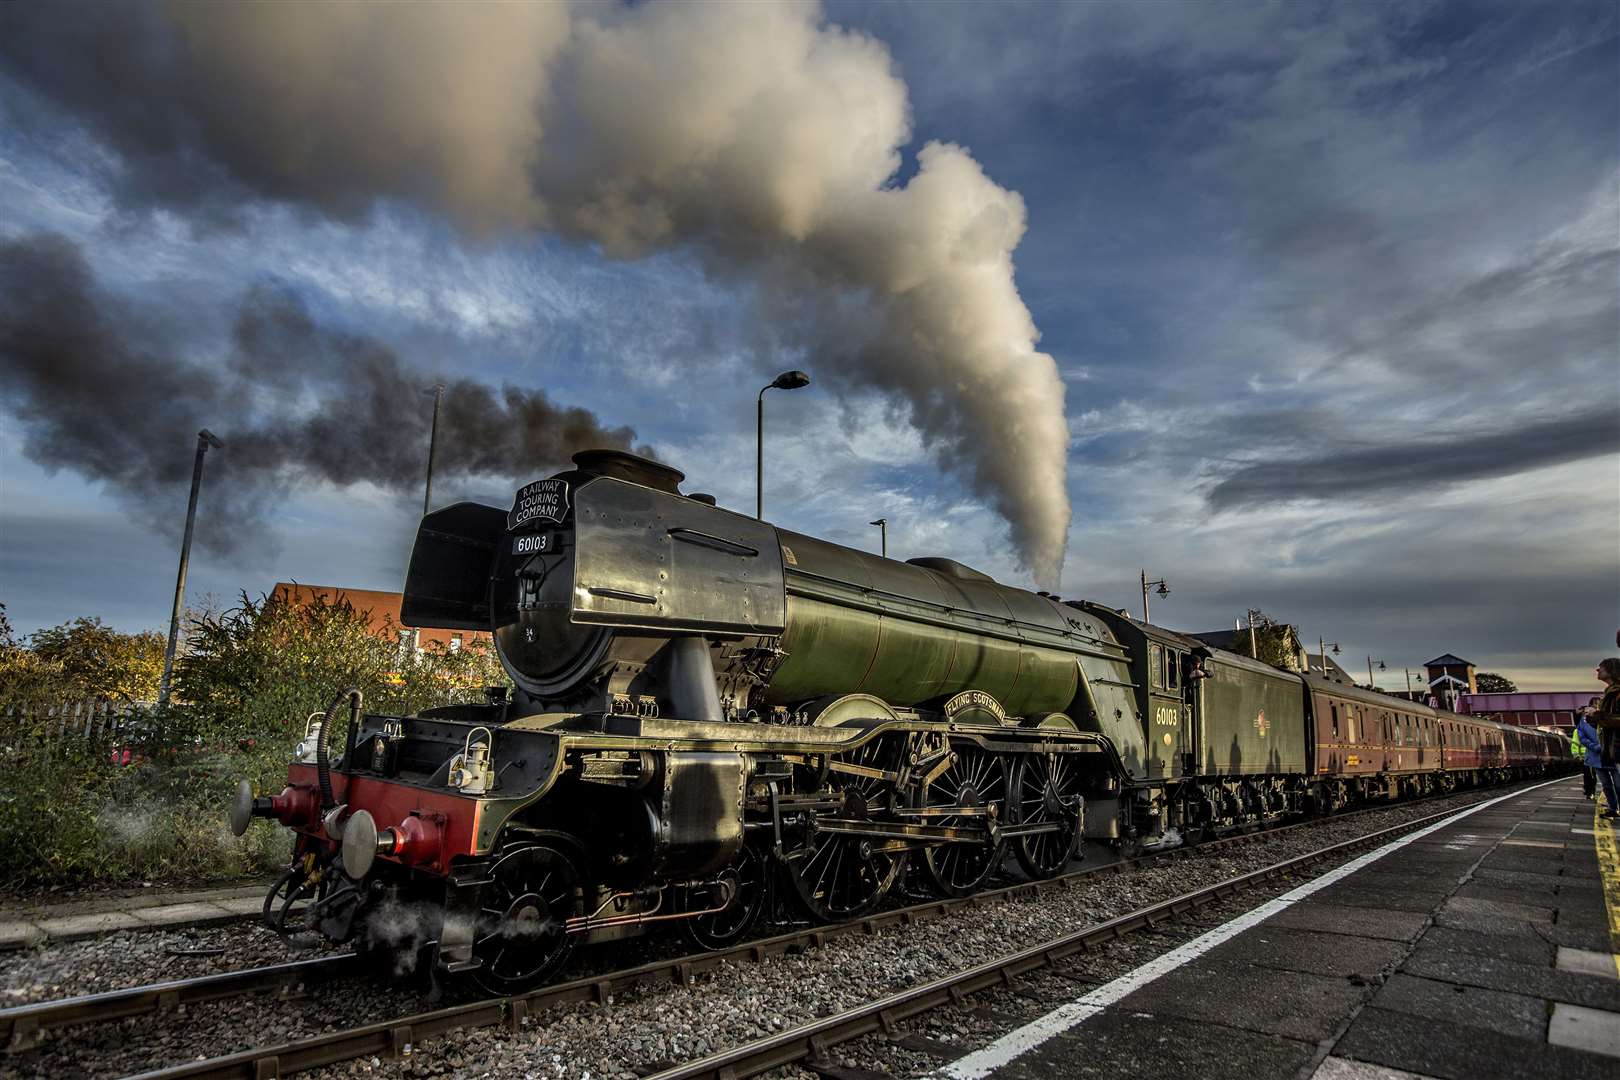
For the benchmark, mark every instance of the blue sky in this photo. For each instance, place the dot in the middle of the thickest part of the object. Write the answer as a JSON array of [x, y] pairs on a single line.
[[1331, 292]]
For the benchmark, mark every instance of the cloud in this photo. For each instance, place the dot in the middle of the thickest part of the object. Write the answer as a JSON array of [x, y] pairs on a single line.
[[1427, 463], [760, 136], [101, 391]]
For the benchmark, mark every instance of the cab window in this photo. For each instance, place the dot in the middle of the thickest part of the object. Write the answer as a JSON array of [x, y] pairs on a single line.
[[1156, 665], [1172, 660]]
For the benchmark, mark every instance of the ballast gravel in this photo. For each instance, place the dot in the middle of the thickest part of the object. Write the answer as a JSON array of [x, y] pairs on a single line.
[[656, 1026], [136, 958]]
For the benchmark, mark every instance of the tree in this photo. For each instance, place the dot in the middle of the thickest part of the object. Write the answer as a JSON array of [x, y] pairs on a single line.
[[97, 661], [1489, 682], [260, 668], [1275, 642]]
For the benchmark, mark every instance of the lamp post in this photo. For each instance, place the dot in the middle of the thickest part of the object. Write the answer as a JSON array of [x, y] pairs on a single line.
[[1163, 590], [205, 439], [883, 528], [788, 380], [1322, 647], [1371, 682], [433, 444]]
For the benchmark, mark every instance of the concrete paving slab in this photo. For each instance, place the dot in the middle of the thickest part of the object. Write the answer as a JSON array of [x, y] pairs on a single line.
[[1542, 894], [1589, 962], [1354, 921], [1291, 1004], [1337, 1068], [1129, 1044], [1459, 1052], [1451, 1003], [1533, 980], [1490, 924], [19, 935], [1585, 1029], [1575, 936], [1524, 950], [1498, 909], [69, 927], [252, 905], [1334, 955], [1354, 893], [174, 914], [1496, 876], [1358, 922]]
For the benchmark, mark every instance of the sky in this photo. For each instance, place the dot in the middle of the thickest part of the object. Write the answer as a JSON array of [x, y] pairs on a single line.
[[1306, 308]]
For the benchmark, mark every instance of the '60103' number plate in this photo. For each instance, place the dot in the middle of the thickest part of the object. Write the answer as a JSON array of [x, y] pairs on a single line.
[[532, 544]]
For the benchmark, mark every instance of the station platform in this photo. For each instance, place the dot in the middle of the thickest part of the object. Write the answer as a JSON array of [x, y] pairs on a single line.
[[1484, 946]]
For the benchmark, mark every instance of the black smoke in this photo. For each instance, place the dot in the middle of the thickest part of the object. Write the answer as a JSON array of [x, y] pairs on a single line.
[[101, 391]]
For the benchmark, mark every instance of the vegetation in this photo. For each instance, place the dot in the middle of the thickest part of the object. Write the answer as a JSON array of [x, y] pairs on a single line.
[[1489, 682], [1274, 642], [145, 799]]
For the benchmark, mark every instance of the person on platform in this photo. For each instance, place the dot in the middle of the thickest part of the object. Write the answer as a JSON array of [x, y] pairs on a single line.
[[1605, 719], [1585, 737]]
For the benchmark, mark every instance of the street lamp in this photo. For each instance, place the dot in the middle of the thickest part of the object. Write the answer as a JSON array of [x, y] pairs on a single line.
[[1163, 590], [1322, 647], [788, 380], [1370, 662], [433, 443], [205, 439], [883, 527]]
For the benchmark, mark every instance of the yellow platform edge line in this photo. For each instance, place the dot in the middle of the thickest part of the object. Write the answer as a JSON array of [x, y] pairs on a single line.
[[1608, 853]]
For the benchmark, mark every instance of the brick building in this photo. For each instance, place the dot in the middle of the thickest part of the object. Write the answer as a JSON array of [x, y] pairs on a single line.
[[381, 610]]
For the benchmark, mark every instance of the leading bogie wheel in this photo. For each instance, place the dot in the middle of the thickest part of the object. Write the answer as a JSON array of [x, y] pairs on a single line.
[[522, 935], [746, 879]]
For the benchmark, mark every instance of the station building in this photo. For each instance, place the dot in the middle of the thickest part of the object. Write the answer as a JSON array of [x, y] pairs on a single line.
[[381, 610]]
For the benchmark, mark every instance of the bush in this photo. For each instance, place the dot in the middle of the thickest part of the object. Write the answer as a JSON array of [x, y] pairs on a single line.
[[149, 800]]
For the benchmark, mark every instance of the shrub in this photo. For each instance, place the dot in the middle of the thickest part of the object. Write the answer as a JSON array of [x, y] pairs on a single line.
[[148, 800]]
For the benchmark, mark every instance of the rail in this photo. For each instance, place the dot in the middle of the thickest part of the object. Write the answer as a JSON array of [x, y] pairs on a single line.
[[392, 1038]]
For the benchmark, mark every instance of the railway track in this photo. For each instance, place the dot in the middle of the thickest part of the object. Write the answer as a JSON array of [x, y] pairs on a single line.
[[21, 1026], [811, 1041]]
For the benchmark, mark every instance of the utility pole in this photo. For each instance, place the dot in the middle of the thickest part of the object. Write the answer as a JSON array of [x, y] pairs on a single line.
[[883, 526], [205, 439], [433, 445], [1254, 647]]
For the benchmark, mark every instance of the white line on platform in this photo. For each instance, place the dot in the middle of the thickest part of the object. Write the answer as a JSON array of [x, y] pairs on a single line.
[[987, 1059]]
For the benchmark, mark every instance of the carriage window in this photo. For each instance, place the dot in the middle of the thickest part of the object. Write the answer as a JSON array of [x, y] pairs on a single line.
[[1334, 709], [1156, 663], [1172, 660]]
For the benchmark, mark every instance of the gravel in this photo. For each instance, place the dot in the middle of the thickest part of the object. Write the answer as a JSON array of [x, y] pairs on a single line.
[[136, 958], [650, 1027]]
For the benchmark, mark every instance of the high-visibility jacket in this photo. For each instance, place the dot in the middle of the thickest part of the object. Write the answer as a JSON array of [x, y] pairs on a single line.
[[1577, 749]]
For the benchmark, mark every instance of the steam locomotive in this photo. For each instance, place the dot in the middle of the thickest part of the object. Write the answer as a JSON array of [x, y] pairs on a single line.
[[711, 714]]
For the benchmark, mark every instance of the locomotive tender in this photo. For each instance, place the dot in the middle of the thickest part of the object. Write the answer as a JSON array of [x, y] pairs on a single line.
[[709, 710]]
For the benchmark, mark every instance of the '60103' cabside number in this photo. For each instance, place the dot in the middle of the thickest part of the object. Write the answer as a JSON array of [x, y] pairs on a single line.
[[532, 544]]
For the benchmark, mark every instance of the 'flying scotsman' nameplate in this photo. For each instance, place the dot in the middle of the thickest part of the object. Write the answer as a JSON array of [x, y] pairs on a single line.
[[542, 501]]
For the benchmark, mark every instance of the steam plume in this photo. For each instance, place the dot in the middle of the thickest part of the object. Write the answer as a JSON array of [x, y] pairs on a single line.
[[758, 135], [94, 398]]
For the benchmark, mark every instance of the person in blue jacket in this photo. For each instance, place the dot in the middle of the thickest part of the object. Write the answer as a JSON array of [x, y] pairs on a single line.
[[1592, 761]]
